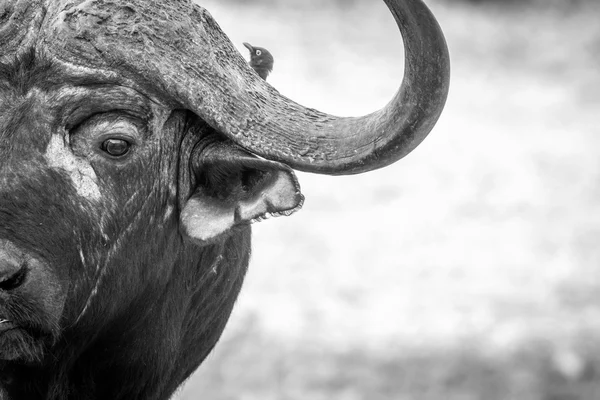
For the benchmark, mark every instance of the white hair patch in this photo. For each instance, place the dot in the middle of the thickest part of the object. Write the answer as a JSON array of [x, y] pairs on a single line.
[[82, 174]]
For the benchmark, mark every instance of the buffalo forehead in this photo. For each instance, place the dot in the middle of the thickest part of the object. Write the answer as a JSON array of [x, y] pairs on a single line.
[[59, 97], [36, 68]]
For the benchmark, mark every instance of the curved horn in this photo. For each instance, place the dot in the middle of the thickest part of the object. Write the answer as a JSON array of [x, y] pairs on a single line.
[[177, 48]]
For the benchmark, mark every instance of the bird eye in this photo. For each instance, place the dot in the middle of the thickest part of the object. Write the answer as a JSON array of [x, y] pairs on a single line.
[[258, 52], [115, 147]]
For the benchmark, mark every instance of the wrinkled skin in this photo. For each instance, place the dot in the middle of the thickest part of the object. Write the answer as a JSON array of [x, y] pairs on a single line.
[[72, 216]]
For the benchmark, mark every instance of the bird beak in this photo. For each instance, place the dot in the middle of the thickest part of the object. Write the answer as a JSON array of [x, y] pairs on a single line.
[[249, 47]]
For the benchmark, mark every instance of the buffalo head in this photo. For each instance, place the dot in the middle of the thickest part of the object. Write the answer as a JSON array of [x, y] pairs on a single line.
[[136, 147]]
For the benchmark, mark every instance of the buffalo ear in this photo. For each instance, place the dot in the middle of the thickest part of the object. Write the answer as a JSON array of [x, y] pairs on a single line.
[[234, 188]]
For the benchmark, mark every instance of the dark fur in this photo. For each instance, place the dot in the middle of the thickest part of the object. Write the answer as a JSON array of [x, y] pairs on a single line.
[[162, 302]]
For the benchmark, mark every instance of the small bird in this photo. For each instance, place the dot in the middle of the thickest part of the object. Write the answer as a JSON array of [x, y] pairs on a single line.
[[261, 60]]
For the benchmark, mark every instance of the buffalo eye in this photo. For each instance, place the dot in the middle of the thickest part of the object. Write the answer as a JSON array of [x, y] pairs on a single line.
[[116, 147]]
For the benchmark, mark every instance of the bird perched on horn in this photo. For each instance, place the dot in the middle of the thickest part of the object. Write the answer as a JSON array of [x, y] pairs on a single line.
[[261, 60]]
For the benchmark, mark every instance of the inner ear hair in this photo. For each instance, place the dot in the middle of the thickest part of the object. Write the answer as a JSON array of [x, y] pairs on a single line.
[[233, 188], [231, 180]]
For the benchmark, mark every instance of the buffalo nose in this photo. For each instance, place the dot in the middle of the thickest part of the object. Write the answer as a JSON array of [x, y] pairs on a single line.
[[13, 269]]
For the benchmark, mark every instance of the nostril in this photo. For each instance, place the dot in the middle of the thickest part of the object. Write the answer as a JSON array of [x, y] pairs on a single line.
[[14, 280]]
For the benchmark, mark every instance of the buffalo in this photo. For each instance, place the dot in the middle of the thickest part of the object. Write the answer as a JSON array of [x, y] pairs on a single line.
[[136, 148]]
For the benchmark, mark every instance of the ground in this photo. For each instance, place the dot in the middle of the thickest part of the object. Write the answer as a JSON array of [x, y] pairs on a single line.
[[469, 269]]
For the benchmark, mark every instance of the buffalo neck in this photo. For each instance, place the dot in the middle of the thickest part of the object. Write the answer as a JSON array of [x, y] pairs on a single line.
[[147, 349]]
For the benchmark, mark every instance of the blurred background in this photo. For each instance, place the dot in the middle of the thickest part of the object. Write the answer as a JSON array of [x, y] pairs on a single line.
[[468, 270]]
